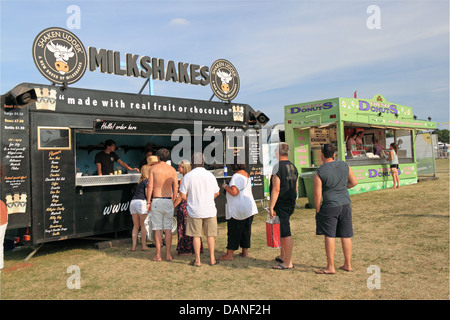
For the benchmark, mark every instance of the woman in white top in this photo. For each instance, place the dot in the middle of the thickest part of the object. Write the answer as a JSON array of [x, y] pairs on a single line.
[[240, 209]]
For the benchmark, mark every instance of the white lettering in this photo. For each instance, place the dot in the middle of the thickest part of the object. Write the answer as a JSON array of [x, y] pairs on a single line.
[[374, 21]]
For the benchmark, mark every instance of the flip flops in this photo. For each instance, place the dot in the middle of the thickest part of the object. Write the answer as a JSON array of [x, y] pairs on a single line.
[[213, 264], [323, 272], [192, 263], [281, 267], [347, 270]]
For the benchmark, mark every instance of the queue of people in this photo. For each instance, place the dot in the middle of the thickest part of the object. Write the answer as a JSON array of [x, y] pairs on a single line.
[[159, 192]]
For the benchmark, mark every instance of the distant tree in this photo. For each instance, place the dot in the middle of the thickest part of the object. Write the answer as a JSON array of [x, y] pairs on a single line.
[[443, 135]]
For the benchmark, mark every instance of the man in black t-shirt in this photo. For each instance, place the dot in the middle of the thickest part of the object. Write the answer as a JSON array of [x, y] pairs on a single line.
[[105, 159], [283, 194]]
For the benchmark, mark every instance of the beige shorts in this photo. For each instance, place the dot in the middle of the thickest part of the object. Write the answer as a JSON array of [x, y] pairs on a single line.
[[195, 226], [162, 214]]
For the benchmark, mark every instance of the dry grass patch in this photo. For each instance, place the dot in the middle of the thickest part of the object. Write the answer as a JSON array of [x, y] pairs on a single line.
[[405, 232]]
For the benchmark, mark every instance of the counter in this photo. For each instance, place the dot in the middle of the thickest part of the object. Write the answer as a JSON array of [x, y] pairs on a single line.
[[107, 180], [87, 181], [368, 161]]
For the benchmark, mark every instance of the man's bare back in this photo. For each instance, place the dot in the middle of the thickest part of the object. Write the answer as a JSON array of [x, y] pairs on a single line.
[[162, 181]]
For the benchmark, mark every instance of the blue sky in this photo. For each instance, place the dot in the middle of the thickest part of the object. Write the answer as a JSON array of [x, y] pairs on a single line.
[[285, 52]]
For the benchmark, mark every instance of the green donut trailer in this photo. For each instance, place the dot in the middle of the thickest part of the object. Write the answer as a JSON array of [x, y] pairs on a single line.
[[379, 123]]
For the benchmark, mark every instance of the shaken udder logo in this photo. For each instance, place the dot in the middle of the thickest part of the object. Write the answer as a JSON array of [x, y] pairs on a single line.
[[224, 80], [59, 55]]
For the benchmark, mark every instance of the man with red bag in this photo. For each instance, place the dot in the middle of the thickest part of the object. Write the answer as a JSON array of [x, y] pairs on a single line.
[[283, 194]]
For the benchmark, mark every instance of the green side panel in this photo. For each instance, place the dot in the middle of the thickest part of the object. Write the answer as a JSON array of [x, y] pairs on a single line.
[[301, 150], [379, 177], [373, 186]]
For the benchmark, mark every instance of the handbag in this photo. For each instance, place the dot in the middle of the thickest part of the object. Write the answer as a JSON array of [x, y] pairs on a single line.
[[273, 232]]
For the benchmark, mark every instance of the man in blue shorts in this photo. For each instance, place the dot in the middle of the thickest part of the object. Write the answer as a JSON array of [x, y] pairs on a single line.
[[334, 214]]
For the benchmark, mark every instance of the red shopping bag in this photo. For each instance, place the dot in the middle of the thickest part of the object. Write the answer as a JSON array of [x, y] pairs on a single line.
[[273, 232]]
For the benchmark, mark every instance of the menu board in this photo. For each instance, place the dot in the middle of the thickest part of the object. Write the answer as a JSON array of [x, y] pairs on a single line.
[[15, 163], [319, 137], [57, 198], [253, 147], [255, 163]]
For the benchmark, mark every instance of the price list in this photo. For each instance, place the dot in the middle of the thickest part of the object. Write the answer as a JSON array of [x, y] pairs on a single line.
[[54, 195], [15, 162]]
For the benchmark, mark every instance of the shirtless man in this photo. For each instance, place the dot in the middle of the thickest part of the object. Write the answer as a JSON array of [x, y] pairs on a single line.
[[162, 190]]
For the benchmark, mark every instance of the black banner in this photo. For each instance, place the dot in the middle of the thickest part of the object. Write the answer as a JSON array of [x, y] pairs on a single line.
[[85, 101]]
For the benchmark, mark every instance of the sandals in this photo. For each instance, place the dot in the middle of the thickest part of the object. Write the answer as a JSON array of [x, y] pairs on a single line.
[[281, 267], [192, 263], [213, 264], [323, 272]]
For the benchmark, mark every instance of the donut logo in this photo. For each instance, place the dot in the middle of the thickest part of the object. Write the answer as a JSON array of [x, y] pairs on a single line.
[[224, 80], [59, 55]]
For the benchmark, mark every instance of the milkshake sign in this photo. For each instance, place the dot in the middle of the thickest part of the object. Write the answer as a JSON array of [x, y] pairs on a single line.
[[61, 58]]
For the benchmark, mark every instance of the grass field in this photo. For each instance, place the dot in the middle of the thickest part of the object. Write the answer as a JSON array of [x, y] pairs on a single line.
[[403, 233]]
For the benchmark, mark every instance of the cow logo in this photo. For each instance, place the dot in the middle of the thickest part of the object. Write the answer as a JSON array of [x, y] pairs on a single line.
[[59, 55], [224, 80]]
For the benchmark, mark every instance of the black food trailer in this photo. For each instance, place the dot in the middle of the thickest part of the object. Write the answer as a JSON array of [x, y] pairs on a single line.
[[48, 145]]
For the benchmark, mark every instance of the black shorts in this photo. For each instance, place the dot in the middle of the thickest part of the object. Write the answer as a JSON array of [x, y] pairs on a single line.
[[394, 166], [284, 213], [239, 233], [335, 222]]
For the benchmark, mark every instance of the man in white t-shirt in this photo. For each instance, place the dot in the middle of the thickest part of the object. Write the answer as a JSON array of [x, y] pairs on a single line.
[[199, 188]]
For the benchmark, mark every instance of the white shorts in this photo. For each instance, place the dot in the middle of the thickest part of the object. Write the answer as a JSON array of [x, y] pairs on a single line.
[[162, 213], [138, 206], [2, 238]]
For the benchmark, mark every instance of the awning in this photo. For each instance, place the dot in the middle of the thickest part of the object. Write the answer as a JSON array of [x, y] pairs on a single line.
[[378, 126], [325, 125]]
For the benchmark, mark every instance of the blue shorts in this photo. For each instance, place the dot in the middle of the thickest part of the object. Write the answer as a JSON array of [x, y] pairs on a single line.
[[335, 222]]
